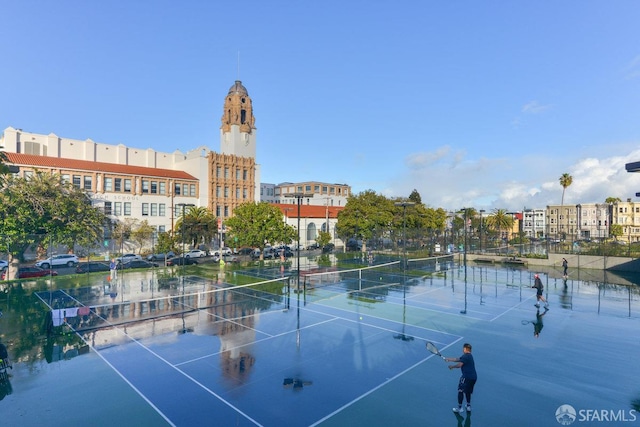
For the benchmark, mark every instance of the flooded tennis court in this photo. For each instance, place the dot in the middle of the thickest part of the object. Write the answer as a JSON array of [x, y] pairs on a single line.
[[338, 347]]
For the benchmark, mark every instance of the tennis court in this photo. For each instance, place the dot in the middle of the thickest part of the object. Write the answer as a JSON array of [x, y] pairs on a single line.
[[347, 347]]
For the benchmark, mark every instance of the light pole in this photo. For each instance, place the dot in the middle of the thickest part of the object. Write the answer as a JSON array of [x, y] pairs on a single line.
[[481, 212], [465, 261], [299, 196], [404, 232], [184, 205]]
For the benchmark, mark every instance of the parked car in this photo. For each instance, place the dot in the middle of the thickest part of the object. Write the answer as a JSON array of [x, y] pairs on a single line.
[[160, 257], [68, 260], [313, 246], [181, 261], [286, 251], [255, 253], [3, 264], [127, 258], [195, 253], [328, 248], [227, 251], [31, 271], [137, 263], [92, 267], [245, 251], [354, 245]]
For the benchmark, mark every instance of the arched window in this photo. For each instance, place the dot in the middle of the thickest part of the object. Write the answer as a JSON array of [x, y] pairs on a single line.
[[311, 232]]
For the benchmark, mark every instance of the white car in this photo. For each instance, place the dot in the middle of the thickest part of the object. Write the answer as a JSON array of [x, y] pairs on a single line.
[[128, 258], [195, 253], [68, 260]]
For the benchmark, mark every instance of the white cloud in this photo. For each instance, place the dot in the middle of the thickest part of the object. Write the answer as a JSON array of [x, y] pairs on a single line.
[[534, 107], [454, 181]]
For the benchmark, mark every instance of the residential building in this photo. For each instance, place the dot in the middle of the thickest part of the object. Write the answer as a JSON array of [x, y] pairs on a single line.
[[534, 223], [313, 220], [627, 215], [319, 193]]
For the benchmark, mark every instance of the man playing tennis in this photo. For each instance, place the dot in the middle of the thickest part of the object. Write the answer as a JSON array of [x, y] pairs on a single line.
[[468, 378], [537, 284]]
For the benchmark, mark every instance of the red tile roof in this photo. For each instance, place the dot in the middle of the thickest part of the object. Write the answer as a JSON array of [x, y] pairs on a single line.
[[308, 211], [85, 165]]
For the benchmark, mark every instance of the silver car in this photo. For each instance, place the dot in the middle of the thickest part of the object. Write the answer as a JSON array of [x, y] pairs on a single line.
[[68, 260]]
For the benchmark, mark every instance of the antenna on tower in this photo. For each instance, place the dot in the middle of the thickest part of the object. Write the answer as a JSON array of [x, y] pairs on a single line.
[[238, 65]]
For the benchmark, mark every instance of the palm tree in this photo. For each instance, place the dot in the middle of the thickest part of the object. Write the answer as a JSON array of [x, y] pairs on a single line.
[[565, 180], [500, 220]]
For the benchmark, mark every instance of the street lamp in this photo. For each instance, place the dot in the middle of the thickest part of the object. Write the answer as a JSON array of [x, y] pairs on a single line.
[[404, 231], [481, 212], [299, 197], [184, 205]]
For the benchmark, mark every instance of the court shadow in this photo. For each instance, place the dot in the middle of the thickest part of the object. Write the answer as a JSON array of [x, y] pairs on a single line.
[[462, 421]]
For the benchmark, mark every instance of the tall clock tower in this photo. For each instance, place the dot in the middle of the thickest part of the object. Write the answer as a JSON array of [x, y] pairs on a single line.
[[238, 131]]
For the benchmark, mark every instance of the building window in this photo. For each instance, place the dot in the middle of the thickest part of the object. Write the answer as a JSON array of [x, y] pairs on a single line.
[[66, 178], [244, 193], [117, 211], [218, 172], [107, 208], [108, 184], [226, 172], [145, 209], [127, 186], [118, 185], [154, 209], [176, 189], [162, 209], [161, 229], [77, 181], [218, 211], [127, 208], [192, 190], [163, 188], [185, 189], [88, 183], [244, 174], [226, 191], [237, 193], [218, 191], [154, 187], [237, 173], [145, 186], [307, 188], [226, 211]]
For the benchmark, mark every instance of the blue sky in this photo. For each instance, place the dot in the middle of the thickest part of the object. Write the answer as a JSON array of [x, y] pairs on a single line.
[[472, 103]]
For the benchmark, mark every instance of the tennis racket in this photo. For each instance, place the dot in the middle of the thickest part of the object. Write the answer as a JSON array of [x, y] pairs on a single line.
[[433, 349]]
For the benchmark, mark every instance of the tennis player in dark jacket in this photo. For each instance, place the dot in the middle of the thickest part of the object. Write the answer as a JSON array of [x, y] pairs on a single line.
[[468, 379]]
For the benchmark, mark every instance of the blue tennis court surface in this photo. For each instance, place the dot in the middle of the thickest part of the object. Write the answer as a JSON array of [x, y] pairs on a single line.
[[348, 348]]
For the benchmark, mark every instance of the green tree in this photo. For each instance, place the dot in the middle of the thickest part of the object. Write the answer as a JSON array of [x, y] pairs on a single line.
[[499, 220], [565, 181], [256, 224], [122, 232], [323, 238], [615, 231], [364, 215], [415, 197], [4, 169], [200, 226], [612, 200], [41, 209], [142, 234]]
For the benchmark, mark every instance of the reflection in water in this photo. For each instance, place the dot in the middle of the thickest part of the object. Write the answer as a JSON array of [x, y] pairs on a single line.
[[538, 324], [462, 422], [566, 299]]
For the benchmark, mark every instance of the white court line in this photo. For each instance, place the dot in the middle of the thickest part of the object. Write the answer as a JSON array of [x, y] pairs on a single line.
[[206, 389], [362, 396]]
